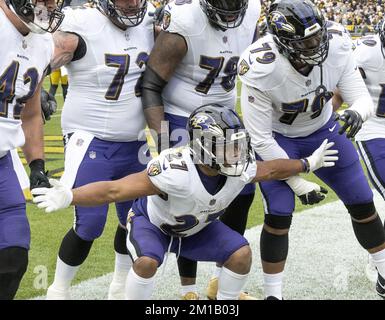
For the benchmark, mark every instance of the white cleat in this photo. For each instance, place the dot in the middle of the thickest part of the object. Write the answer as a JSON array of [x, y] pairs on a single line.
[[57, 294], [116, 291], [371, 271]]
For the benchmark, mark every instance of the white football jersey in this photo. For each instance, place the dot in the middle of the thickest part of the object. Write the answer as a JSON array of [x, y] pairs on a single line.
[[23, 62], [370, 58], [208, 72], [277, 98], [103, 94], [187, 207]]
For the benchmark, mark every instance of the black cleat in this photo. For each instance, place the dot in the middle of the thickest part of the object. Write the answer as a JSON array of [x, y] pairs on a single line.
[[271, 298], [380, 287]]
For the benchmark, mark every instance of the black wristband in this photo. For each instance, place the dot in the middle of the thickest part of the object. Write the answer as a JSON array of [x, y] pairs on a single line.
[[37, 164]]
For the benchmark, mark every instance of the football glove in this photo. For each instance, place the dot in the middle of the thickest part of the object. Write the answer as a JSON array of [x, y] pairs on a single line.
[[53, 199], [322, 157], [38, 176], [352, 121], [48, 104], [308, 192]]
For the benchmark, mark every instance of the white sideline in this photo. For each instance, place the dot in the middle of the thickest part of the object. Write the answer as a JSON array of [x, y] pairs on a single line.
[[325, 262]]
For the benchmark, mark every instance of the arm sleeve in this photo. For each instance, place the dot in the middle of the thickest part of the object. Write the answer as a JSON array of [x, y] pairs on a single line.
[[354, 91], [257, 114]]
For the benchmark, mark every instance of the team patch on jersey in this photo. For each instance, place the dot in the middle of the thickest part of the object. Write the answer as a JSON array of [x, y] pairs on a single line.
[[154, 169], [243, 67], [166, 20]]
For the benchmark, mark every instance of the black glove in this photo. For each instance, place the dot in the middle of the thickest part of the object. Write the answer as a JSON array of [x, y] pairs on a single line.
[[48, 104], [313, 197], [353, 122], [38, 176]]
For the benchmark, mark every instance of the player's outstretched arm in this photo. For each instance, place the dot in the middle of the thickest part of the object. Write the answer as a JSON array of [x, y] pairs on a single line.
[[284, 168], [94, 194]]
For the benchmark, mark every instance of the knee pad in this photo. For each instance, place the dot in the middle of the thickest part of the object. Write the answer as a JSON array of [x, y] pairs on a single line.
[[371, 234], [120, 245], [278, 222], [187, 268], [361, 211], [74, 250], [13, 264], [274, 248]]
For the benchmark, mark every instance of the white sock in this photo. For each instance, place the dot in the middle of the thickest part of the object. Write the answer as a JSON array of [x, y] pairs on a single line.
[[230, 284], [187, 289], [138, 288], [123, 264], [217, 272], [64, 275], [379, 261], [273, 285]]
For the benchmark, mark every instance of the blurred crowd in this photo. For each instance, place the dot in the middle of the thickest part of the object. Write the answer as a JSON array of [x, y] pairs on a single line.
[[357, 16]]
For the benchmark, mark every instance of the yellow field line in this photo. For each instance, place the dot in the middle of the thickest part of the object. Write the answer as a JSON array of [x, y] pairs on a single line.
[[53, 138]]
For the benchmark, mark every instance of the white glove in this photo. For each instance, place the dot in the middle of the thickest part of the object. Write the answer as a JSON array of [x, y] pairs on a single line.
[[53, 199], [322, 157], [308, 192]]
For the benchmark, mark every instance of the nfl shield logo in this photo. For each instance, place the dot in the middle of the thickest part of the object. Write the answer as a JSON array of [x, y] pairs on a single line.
[[308, 83], [225, 39], [80, 142], [92, 155], [213, 202]]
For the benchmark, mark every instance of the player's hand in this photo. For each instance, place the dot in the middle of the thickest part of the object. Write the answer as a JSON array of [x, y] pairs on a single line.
[[48, 104], [308, 192], [322, 157], [53, 199], [38, 177], [352, 121]]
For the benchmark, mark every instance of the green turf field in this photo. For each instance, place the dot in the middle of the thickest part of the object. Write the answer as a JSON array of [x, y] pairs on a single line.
[[47, 230]]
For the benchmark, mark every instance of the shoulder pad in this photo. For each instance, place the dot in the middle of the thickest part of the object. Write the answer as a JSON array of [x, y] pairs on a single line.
[[368, 53], [184, 17], [169, 172], [258, 65]]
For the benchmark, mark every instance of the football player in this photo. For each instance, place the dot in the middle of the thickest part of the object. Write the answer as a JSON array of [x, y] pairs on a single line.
[[182, 193], [289, 77], [55, 78], [26, 27], [194, 61], [370, 57], [104, 48]]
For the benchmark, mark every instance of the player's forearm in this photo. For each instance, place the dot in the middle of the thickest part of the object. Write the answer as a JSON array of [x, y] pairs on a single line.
[[278, 169], [154, 117], [32, 124], [95, 194]]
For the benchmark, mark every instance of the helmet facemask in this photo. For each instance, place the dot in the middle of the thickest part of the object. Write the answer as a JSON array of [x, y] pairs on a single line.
[[228, 154], [124, 17], [225, 14], [311, 50], [38, 16]]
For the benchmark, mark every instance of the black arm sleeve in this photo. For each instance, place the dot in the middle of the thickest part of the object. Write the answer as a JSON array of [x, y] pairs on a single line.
[[153, 86]]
